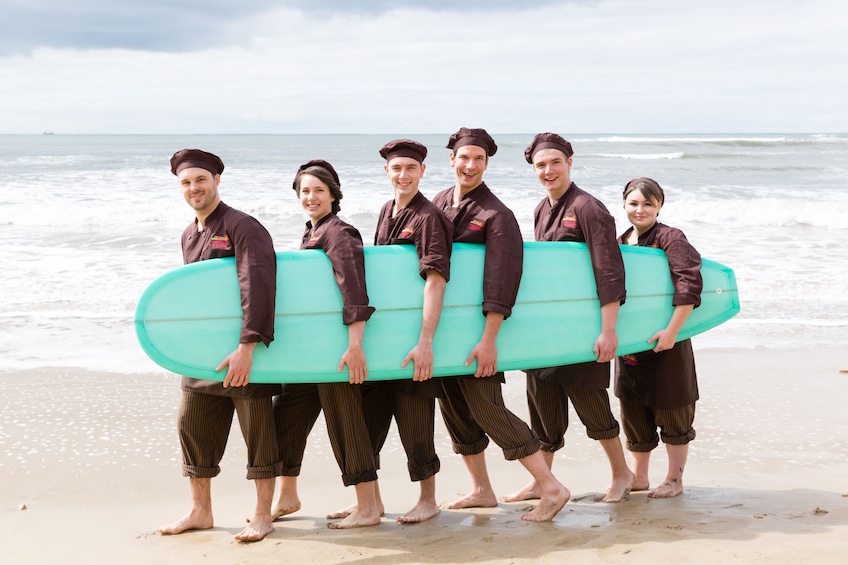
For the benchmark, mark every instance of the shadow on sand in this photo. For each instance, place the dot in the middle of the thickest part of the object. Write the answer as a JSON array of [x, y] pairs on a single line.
[[717, 514]]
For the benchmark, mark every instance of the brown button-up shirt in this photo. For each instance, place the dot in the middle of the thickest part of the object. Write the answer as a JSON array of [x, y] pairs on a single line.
[[231, 233], [684, 261], [579, 216], [482, 218], [421, 224], [343, 246]]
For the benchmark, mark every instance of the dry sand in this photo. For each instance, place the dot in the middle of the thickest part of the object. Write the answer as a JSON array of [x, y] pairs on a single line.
[[94, 458]]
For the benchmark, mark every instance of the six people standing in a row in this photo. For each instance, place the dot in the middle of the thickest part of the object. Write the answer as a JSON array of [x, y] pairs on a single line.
[[657, 389]]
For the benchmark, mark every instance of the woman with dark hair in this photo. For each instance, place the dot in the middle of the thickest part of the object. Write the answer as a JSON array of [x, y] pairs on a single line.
[[658, 388], [296, 409]]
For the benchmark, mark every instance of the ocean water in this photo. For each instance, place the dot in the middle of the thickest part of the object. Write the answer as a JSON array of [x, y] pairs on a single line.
[[89, 221]]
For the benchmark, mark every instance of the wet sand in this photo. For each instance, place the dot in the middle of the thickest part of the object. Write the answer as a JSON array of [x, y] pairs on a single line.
[[94, 459]]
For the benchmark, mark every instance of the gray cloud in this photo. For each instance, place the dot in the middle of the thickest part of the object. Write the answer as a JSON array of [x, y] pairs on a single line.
[[149, 25], [610, 65], [176, 25]]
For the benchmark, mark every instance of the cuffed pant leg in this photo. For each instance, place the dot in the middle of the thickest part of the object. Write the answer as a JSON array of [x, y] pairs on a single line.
[[486, 406], [342, 405], [295, 413], [467, 436], [415, 416], [640, 429], [593, 407], [547, 403], [378, 409], [256, 419], [676, 424], [203, 425]]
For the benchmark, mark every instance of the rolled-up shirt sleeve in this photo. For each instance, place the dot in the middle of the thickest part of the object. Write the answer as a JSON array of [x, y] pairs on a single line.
[[343, 245], [482, 218], [256, 264], [607, 264], [504, 263], [434, 245], [684, 262]]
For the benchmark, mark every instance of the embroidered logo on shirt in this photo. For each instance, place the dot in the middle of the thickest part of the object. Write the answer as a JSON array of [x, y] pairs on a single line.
[[476, 225], [407, 232], [220, 242], [569, 221]]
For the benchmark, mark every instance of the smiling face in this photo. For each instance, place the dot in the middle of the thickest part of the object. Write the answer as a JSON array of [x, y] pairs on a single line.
[[469, 162], [404, 173], [553, 169], [642, 212], [315, 197], [200, 190]]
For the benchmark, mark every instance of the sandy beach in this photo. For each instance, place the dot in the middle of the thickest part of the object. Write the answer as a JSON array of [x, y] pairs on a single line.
[[90, 469]]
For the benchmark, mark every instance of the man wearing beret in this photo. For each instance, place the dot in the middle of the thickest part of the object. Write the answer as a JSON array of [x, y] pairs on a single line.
[[410, 219], [472, 407], [568, 213], [206, 408]]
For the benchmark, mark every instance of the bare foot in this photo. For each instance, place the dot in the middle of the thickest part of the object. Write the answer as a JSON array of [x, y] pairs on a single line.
[[668, 489], [530, 491], [549, 505], [356, 519], [284, 509], [483, 499], [422, 512], [256, 530], [343, 513], [287, 500], [617, 496], [620, 488], [638, 485], [194, 520]]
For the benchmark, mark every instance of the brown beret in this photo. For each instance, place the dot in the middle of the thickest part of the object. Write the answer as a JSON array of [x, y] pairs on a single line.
[[187, 158], [547, 141], [317, 163], [647, 186], [403, 148], [472, 136]]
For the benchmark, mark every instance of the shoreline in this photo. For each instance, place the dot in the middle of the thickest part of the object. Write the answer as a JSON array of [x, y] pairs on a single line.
[[95, 458]]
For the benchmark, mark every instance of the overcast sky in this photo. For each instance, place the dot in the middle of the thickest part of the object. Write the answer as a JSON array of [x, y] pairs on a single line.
[[375, 66]]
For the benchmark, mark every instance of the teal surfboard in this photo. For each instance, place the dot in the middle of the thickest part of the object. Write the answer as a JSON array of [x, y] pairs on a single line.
[[189, 319]]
